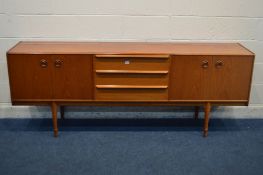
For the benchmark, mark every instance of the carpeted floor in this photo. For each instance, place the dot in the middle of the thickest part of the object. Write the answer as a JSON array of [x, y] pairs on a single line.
[[131, 147]]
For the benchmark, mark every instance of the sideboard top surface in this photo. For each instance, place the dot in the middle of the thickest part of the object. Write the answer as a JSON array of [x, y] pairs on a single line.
[[44, 47]]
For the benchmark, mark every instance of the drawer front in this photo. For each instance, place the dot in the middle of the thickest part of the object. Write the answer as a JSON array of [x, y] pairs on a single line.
[[131, 94], [132, 63], [131, 77]]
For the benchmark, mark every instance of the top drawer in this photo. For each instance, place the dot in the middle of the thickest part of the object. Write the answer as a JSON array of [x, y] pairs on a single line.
[[132, 62]]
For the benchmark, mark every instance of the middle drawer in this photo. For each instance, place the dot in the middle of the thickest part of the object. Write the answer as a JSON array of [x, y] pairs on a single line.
[[131, 79]]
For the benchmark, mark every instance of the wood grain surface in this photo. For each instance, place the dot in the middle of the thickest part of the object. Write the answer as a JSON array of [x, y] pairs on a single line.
[[108, 48]]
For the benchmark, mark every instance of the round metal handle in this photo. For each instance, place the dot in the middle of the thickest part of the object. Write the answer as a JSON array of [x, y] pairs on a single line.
[[205, 64], [58, 63], [219, 64], [43, 63]]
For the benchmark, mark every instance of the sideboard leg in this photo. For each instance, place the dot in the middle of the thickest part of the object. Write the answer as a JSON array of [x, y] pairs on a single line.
[[206, 119], [62, 112], [54, 118], [196, 112]]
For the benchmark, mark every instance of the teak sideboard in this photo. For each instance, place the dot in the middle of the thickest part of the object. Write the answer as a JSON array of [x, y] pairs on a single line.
[[150, 74]]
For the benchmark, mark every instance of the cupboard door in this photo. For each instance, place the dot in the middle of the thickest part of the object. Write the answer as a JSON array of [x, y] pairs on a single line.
[[30, 76], [72, 77], [231, 77], [189, 78]]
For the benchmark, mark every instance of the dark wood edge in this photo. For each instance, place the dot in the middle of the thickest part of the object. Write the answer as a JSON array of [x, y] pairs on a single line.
[[134, 101], [251, 79], [94, 53], [170, 76], [94, 77], [118, 103], [9, 73]]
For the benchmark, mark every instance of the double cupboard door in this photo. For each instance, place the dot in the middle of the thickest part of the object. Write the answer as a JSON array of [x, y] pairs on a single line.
[[210, 77], [44, 76]]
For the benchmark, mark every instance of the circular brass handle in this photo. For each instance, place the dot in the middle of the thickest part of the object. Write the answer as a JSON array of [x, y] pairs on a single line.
[[205, 64], [219, 64], [58, 63], [43, 63]]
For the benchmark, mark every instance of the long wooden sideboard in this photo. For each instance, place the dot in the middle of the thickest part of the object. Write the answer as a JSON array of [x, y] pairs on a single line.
[[145, 74]]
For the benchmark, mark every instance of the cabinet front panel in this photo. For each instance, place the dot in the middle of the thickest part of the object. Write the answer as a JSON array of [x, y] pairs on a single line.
[[231, 77], [73, 77], [189, 77], [30, 76]]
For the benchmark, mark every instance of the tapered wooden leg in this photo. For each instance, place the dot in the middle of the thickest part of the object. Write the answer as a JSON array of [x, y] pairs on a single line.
[[206, 119], [196, 112], [54, 108], [62, 110]]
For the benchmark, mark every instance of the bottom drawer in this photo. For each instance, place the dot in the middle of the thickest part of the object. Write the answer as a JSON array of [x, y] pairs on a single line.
[[131, 94]]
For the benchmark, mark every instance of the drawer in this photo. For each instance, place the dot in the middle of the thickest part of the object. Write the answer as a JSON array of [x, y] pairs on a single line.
[[132, 62], [131, 94], [131, 79]]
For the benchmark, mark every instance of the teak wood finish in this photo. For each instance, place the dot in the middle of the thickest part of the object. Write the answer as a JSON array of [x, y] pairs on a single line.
[[149, 74]]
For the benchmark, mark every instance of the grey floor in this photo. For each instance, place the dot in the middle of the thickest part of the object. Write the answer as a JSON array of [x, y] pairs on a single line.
[[131, 147]]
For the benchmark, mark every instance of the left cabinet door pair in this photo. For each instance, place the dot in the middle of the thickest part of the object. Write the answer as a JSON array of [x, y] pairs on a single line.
[[45, 77]]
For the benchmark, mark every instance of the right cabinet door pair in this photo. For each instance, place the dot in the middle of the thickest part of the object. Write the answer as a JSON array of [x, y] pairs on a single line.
[[210, 77]]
